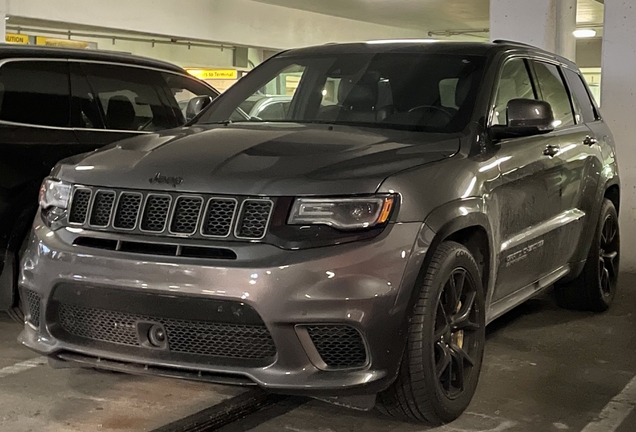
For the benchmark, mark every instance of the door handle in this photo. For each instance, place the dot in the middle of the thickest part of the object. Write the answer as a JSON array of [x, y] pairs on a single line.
[[590, 141], [551, 150]]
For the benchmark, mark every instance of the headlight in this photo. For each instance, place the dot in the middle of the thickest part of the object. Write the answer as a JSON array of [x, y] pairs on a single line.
[[342, 213], [54, 193]]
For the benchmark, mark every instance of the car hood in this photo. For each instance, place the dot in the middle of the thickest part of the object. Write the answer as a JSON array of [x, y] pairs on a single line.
[[259, 159]]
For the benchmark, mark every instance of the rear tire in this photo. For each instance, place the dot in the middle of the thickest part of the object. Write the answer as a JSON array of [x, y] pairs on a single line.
[[595, 288], [442, 360]]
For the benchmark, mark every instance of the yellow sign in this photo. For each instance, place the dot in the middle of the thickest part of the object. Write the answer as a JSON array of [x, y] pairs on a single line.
[[17, 38], [226, 74], [40, 40]]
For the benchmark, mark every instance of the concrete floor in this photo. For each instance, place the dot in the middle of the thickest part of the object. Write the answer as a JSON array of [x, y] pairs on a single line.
[[545, 369]]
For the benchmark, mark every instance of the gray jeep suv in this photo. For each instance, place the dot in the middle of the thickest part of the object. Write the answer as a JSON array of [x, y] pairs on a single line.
[[356, 249]]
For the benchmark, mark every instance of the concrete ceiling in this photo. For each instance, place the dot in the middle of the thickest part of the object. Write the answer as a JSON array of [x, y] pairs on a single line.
[[432, 15]]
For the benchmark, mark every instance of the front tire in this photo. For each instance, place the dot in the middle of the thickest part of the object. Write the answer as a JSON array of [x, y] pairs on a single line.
[[595, 288], [442, 361]]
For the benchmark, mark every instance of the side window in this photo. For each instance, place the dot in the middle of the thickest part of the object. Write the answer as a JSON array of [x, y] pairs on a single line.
[[554, 92], [183, 89], [585, 111], [36, 93], [84, 108], [131, 98], [514, 83], [272, 111]]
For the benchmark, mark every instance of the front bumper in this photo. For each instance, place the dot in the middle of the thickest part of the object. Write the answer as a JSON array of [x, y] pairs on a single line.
[[363, 285]]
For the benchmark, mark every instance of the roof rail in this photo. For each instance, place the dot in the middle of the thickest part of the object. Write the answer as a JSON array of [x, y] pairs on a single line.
[[511, 42]]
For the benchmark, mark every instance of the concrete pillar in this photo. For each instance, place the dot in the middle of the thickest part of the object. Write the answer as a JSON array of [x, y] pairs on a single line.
[[3, 21], [547, 24], [618, 97]]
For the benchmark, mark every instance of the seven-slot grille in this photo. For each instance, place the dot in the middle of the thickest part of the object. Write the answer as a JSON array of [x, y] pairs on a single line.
[[167, 213]]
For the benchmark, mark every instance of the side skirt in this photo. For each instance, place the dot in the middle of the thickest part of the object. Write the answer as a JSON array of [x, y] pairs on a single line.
[[513, 300]]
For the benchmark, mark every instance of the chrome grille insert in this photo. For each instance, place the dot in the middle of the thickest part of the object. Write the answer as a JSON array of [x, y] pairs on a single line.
[[79, 206], [254, 218], [219, 215], [186, 215], [155, 213], [127, 210], [102, 208]]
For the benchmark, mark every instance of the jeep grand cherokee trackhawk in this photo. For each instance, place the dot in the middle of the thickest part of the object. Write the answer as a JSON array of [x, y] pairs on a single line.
[[356, 249]]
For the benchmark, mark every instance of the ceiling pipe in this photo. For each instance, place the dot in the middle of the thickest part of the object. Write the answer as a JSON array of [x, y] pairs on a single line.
[[113, 38]]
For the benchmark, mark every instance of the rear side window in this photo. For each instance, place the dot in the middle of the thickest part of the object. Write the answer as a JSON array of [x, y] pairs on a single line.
[[553, 91], [580, 96], [131, 98], [514, 83], [35, 92]]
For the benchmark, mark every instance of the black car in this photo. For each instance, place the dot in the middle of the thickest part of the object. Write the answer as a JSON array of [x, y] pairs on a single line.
[[355, 248], [55, 103]]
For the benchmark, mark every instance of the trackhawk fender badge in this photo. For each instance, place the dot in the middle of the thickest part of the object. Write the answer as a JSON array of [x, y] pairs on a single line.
[[523, 253], [161, 179]]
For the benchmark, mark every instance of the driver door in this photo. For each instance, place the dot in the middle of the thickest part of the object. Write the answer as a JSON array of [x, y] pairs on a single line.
[[529, 197]]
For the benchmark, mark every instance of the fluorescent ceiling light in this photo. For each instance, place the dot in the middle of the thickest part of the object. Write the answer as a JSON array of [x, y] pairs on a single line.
[[584, 33], [390, 41]]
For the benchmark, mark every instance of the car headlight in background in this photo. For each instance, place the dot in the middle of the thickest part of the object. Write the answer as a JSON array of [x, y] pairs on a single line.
[[54, 198], [342, 213]]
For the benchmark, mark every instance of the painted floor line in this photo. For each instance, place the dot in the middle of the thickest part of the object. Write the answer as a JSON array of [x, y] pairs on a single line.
[[616, 411], [22, 366]]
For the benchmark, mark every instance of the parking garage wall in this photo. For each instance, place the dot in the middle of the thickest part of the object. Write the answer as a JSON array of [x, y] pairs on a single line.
[[236, 22]]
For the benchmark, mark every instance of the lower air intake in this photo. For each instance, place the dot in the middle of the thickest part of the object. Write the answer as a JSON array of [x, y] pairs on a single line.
[[32, 302], [339, 346]]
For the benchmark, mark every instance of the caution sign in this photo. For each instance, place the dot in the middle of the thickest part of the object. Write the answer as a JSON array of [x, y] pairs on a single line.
[[206, 74], [41, 40], [15, 38]]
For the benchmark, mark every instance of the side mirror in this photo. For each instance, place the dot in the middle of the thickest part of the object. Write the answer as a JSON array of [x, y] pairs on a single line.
[[526, 117], [196, 105]]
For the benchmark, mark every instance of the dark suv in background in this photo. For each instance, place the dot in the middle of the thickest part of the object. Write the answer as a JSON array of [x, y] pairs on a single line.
[[356, 248], [55, 103]]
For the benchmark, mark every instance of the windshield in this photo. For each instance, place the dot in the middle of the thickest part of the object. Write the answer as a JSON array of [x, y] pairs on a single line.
[[416, 91]]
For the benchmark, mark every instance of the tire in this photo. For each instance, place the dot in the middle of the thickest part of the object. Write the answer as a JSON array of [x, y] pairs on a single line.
[[595, 288], [419, 392]]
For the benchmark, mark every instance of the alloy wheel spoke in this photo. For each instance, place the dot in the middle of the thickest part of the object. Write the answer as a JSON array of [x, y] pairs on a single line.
[[444, 362], [462, 354], [440, 332], [456, 282], [461, 321], [458, 360], [609, 259]]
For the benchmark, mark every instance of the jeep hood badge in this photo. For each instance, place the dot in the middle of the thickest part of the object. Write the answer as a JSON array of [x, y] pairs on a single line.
[[162, 179]]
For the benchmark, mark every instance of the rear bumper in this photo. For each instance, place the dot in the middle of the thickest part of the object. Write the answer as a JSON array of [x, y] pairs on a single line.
[[363, 286]]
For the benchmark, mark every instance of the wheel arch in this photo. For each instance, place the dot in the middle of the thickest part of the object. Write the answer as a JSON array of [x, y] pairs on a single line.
[[471, 229], [613, 193]]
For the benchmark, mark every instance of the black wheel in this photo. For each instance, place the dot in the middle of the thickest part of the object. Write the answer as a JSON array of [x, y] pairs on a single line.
[[442, 361], [595, 288]]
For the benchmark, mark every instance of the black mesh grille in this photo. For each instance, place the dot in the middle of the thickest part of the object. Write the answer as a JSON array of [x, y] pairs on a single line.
[[254, 218], [102, 208], [186, 215], [238, 341], [171, 213], [127, 210], [155, 213], [339, 346], [218, 217], [32, 302], [79, 208]]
